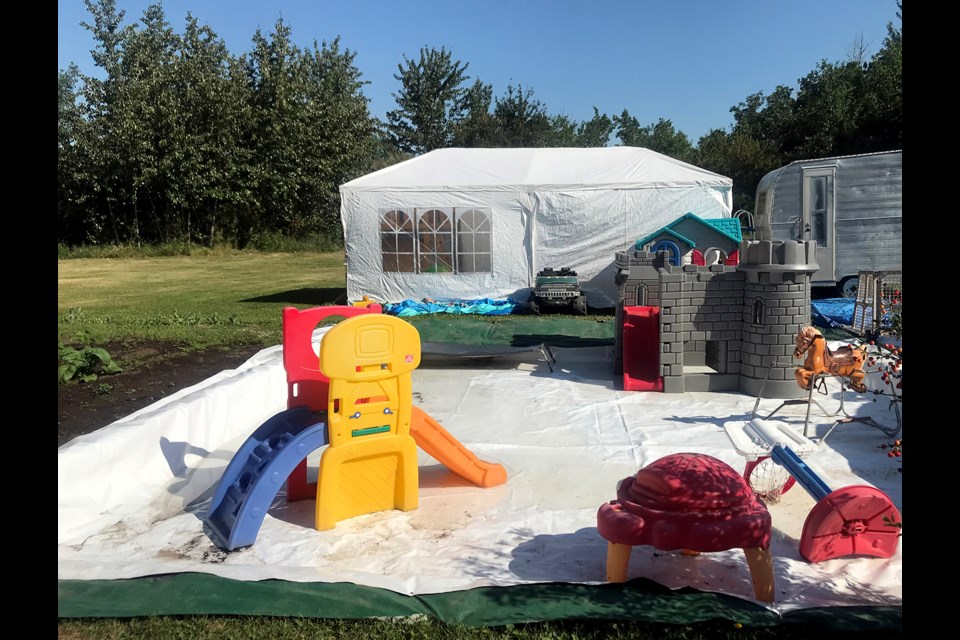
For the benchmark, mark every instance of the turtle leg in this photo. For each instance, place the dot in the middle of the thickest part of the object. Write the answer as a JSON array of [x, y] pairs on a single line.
[[760, 562], [618, 558]]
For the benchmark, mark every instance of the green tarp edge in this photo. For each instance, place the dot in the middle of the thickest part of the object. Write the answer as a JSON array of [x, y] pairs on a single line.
[[643, 600]]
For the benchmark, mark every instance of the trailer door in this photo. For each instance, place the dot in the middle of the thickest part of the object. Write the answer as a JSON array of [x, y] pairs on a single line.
[[817, 220]]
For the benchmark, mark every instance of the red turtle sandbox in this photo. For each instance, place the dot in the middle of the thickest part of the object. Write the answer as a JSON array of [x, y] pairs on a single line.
[[690, 502]]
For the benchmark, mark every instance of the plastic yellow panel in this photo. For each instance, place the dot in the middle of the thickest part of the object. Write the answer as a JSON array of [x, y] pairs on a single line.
[[365, 477], [371, 463]]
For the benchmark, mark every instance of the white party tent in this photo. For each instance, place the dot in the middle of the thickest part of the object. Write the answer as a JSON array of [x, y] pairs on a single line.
[[476, 223]]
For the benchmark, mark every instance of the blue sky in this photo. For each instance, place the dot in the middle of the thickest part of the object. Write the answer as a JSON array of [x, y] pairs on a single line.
[[685, 60]]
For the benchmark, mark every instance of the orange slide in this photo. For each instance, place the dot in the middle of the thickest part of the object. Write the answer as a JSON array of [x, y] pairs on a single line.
[[447, 450]]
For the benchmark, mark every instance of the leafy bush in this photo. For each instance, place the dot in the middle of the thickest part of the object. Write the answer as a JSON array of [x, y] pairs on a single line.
[[83, 364], [160, 250], [272, 242]]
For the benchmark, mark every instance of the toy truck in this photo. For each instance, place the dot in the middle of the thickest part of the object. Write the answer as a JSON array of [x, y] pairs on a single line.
[[557, 290]]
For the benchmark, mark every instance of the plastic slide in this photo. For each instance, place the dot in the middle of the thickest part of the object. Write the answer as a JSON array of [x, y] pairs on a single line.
[[447, 450], [641, 349], [257, 471]]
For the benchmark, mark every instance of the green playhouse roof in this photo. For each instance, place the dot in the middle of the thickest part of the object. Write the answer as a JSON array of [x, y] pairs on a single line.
[[727, 227]]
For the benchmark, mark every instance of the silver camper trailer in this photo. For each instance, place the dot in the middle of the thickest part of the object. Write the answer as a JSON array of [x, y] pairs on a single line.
[[851, 206]]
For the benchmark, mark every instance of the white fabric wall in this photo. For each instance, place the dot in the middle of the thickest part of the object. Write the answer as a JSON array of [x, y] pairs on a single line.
[[533, 229]]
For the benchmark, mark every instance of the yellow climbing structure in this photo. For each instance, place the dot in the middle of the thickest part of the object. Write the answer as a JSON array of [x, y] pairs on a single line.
[[371, 462]]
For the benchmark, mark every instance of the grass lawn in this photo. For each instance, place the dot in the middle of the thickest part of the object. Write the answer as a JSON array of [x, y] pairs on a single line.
[[214, 300], [199, 300]]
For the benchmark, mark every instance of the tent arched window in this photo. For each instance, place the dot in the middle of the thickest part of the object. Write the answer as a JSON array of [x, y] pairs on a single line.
[[397, 241], [473, 241], [435, 236]]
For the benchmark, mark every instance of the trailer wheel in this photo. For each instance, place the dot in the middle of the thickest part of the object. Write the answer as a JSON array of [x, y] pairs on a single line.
[[848, 287]]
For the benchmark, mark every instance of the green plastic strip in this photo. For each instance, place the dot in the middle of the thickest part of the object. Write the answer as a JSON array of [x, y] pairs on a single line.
[[370, 431], [639, 599]]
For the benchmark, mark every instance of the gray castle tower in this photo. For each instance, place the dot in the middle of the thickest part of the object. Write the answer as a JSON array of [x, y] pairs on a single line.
[[776, 305]]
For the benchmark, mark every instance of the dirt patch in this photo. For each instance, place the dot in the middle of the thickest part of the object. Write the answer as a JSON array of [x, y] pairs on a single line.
[[151, 371]]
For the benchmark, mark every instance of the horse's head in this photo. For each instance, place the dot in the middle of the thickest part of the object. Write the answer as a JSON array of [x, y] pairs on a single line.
[[805, 338]]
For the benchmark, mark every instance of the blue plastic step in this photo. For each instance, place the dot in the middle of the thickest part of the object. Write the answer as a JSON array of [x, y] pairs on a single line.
[[258, 470]]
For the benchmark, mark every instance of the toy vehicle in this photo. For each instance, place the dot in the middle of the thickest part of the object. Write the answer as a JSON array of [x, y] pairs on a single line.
[[557, 290]]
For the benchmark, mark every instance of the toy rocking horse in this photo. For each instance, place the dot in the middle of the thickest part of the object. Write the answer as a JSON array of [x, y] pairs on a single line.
[[847, 361]]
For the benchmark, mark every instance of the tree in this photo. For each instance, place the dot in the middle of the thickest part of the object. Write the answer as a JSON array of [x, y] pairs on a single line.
[[596, 131], [431, 101], [769, 119], [743, 159], [476, 127], [311, 131], [829, 111], [882, 128], [69, 122], [563, 132], [208, 180], [660, 136], [339, 134], [521, 119]]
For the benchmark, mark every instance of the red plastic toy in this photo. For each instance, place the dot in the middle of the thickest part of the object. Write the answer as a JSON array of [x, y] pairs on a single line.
[[690, 502]]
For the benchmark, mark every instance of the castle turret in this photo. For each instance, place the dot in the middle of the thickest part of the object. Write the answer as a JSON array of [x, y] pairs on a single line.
[[776, 305]]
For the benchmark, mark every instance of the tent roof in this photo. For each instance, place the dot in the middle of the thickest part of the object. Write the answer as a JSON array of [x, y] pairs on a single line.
[[603, 167]]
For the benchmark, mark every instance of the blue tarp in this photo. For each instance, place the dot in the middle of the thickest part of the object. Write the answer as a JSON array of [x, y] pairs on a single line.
[[832, 312], [477, 306]]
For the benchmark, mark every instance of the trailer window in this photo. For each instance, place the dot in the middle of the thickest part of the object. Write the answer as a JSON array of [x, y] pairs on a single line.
[[818, 209]]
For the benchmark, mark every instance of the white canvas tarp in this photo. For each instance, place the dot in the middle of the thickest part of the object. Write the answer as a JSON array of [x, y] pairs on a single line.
[[132, 497], [543, 208]]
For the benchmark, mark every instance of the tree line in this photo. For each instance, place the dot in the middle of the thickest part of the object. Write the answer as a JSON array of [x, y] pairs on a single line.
[[181, 140]]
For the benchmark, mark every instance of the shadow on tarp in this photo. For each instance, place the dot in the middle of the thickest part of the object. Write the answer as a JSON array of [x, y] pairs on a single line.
[[313, 296], [638, 600]]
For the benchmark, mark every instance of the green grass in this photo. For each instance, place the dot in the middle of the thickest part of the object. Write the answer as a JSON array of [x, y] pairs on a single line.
[[202, 301], [254, 628]]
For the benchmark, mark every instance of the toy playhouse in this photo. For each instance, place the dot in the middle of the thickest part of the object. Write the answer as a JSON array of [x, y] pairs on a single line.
[[697, 314]]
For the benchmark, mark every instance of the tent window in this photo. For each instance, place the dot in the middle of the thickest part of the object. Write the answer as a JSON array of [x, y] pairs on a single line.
[[473, 241], [396, 241], [435, 236]]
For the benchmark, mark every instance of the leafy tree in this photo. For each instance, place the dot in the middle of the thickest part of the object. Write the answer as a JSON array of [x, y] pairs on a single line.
[[521, 119], [596, 131], [741, 158], [100, 156], [311, 130], [69, 122], [769, 119], [660, 136], [477, 126], [882, 128], [563, 132], [276, 132], [829, 110], [209, 183], [339, 133], [431, 101]]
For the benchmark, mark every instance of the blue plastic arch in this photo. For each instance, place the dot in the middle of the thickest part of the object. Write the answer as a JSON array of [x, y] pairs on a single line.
[[671, 248], [256, 473]]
